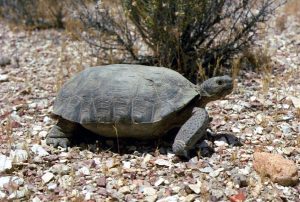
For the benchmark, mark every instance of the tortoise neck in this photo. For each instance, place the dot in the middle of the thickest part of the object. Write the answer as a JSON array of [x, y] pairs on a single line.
[[204, 97]]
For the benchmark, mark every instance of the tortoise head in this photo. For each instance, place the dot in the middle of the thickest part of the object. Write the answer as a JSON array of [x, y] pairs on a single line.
[[215, 88]]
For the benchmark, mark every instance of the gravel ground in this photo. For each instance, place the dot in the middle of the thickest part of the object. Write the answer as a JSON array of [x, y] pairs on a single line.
[[262, 114]]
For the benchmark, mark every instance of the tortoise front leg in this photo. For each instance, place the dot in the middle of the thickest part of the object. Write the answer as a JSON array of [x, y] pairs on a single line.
[[61, 133], [190, 132]]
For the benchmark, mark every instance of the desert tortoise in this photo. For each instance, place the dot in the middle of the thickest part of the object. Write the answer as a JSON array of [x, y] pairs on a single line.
[[135, 101]]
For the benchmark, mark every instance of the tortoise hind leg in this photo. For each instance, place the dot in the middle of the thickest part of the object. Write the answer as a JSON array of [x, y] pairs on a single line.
[[61, 133], [190, 132]]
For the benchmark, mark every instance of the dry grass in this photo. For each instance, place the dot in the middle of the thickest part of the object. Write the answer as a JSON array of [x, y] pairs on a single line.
[[292, 8]]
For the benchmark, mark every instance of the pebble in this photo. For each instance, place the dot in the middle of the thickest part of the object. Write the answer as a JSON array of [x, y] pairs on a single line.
[[173, 198], [83, 170], [43, 134], [2, 195], [21, 193], [39, 150], [124, 190], [221, 142], [65, 181], [190, 198], [36, 199], [52, 186], [151, 198], [217, 193], [126, 164], [176, 189], [4, 60], [88, 196], [288, 150], [206, 170], [5, 163], [285, 128], [148, 191], [196, 188], [159, 182], [240, 180], [61, 169], [163, 162], [46, 120], [215, 173], [18, 155], [47, 177], [3, 77], [6, 179]]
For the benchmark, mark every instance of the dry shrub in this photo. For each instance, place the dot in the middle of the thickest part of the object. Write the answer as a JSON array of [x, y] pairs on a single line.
[[292, 8], [33, 14], [197, 38]]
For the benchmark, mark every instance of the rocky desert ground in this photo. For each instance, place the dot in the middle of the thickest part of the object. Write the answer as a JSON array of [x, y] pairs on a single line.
[[261, 115]]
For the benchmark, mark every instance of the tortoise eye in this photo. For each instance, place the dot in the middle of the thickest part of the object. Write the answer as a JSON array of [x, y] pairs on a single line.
[[219, 82]]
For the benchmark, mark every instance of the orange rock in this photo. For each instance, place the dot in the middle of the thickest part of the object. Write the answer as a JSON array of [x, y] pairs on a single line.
[[279, 169], [240, 197]]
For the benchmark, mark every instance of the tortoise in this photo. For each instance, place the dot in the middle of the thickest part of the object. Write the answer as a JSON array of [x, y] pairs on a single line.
[[135, 101]]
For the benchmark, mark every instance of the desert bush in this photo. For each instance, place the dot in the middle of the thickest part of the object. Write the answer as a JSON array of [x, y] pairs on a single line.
[[196, 37], [34, 13]]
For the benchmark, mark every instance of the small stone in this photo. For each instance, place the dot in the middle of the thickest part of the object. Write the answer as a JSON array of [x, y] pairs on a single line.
[[8, 179], [101, 181], [163, 162], [39, 150], [148, 191], [206, 170], [52, 186], [124, 190], [217, 193], [215, 173], [60, 169], [240, 180], [190, 197], [245, 171], [221, 142], [286, 128], [240, 197], [173, 198], [36, 199], [83, 170], [2, 195], [47, 177], [151, 198], [43, 134], [4, 60], [288, 150], [5, 163], [3, 77], [33, 106], [196, 188], [296, 101], [258, 130], [46, 120], [126, 164], [65, 181], [280, 170], [147, 158], [21, 193], [159, 182], [88, 196], [176, 189], [18, 155]]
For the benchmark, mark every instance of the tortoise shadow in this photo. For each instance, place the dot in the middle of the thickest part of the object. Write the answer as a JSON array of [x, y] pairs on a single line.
[[85, 139]]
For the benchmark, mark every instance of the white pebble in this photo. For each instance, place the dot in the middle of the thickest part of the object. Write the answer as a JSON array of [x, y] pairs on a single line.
[[47, 177]]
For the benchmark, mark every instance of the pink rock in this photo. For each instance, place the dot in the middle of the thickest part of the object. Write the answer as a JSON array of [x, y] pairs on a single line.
[[279, 169]]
